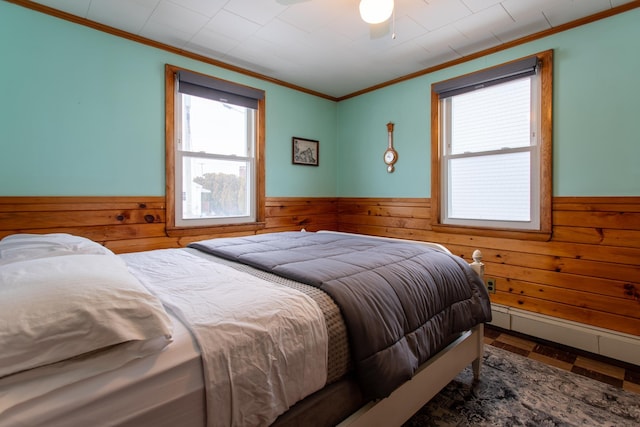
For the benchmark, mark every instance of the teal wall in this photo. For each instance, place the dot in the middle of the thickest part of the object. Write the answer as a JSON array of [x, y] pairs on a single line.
[[596, 117], [82, 113]]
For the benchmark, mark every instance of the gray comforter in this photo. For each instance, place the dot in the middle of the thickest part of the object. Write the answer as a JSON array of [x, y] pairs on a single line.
[[402, 302]]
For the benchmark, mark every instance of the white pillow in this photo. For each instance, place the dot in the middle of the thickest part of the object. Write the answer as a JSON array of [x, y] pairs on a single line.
[[20, 247], [55, 308]]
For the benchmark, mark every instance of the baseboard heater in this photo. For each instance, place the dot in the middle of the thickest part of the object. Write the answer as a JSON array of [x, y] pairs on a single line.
[[615, 345]]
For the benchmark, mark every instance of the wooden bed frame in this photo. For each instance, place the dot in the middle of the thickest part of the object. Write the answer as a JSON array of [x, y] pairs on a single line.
[[431, 377]]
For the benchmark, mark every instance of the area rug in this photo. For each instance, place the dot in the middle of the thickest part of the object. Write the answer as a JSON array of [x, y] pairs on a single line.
[[516, 391]]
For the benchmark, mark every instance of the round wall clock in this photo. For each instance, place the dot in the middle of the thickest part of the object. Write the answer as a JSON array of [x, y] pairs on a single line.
[[390, 155]]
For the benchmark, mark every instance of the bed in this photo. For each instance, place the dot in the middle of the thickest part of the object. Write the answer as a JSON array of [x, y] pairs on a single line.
[[272, 329]]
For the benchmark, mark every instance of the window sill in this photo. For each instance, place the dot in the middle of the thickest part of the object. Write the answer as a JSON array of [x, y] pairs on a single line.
[[535, 235]]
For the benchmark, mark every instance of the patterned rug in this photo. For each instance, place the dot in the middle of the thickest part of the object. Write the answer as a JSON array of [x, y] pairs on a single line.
[[517, 391]]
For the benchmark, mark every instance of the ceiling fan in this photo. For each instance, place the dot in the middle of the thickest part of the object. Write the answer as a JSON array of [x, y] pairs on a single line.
[[376, 13]]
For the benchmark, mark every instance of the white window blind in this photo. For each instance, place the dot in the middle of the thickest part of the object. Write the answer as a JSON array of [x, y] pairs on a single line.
[[215, 151], [490, 154]]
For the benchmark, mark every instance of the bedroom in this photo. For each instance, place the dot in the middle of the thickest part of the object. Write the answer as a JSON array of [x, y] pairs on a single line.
[[584, 280]]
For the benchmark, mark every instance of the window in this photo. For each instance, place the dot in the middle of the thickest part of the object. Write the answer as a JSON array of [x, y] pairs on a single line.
[[215, 167], [491, 150]]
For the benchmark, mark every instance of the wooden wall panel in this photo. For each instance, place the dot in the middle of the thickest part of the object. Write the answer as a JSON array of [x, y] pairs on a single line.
[[129, 224], [296, 213], [104, 219], [589, 272]]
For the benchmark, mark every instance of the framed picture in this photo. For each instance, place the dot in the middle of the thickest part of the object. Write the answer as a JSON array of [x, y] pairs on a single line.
[[305, 151]]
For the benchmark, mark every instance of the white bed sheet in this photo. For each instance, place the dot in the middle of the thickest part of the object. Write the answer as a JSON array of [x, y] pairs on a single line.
[[264, 346], [165, 388], [168, 388]]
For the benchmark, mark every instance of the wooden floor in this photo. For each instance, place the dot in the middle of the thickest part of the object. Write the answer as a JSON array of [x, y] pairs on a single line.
[[616, 373]]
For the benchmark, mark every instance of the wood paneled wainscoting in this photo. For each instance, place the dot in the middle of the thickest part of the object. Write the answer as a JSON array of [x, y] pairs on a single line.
[[589, 272], [123, 224], [129, 224]]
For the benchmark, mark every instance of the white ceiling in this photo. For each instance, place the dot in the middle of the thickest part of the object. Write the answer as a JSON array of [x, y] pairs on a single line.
[[323, 45]]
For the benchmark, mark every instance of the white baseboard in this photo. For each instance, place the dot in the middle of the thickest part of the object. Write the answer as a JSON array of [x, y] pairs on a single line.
[[615, 345]]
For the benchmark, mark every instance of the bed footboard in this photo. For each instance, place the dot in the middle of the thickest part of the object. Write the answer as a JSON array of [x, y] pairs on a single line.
[[431, 377]]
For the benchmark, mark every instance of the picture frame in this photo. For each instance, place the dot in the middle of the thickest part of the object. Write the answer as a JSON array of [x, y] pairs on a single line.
[[305, 151]]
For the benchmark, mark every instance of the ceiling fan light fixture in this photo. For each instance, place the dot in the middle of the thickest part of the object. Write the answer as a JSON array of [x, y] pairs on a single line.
[[375, 11]]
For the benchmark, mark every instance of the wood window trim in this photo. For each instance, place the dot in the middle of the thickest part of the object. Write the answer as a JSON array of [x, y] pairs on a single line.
[[546, 166], [170, 170]]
